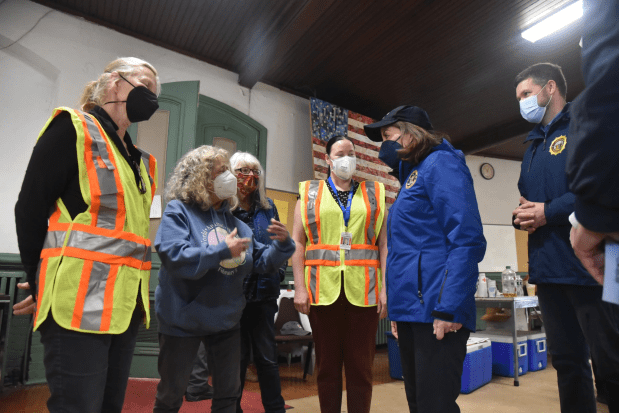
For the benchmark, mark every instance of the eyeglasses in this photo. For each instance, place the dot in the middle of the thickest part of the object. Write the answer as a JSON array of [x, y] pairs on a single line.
[[247, 171]]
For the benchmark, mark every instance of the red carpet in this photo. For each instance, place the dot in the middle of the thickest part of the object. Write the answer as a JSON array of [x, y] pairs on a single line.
[[140, 398]]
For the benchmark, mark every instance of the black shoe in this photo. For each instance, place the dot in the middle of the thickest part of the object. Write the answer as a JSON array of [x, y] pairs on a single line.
[[207, 394], [601, 398]]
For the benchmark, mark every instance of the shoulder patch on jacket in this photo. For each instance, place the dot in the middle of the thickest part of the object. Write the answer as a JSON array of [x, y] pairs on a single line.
[[558, 145], [411, 180]]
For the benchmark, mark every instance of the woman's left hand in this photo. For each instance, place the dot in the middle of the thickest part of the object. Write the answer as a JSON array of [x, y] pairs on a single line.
[[441, 328], [280, 231], [382, 304]]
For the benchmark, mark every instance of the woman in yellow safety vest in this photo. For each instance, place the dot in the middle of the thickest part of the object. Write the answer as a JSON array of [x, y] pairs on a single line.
[[82, 220], [339, 268]]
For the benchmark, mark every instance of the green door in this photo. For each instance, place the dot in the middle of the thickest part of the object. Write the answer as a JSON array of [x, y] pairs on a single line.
[[222, 125]]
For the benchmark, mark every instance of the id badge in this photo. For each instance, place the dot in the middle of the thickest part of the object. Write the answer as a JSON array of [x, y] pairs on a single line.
[[346, 241]]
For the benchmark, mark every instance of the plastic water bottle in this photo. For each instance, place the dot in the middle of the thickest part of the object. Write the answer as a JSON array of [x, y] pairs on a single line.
[[519, 289], [508, 279]]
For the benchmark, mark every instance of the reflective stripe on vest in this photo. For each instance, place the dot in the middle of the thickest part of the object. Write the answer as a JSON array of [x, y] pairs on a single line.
[[313, 204], [103, 246]]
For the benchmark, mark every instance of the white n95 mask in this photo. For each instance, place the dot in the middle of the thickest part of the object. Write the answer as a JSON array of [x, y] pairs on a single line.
[[225, 185], [344, 167]]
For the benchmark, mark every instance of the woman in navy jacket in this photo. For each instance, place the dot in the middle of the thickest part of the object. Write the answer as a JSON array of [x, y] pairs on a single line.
[[435, 241]]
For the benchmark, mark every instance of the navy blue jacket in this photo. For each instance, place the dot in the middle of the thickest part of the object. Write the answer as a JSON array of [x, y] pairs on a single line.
[[200, 289], [593, 158], [259, 287], [435, 241], [543, 179]]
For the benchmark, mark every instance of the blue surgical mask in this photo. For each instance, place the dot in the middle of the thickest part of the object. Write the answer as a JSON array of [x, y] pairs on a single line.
[[389, 153], [531, 111]]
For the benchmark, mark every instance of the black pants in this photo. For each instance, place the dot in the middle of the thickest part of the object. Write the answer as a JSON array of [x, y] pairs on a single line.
[[432, 368], [176, 356], [198, 380], [580, 325], [258, 337], [87, 372]]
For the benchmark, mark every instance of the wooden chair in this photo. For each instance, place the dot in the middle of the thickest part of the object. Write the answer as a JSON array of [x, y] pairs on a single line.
[[287, 312]]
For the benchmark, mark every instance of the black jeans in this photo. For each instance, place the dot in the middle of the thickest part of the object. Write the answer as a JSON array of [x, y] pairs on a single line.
[[432, 368], [258, 337], [87, 373], [580, 325], [198, 380], [176, 357]]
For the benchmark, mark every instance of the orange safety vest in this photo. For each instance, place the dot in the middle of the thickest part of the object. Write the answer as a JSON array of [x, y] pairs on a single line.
[[93, 266], [323, 222]]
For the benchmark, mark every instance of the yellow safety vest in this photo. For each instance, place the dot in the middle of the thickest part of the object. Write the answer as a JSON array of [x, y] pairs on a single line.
[[323, 222], [92, 266]]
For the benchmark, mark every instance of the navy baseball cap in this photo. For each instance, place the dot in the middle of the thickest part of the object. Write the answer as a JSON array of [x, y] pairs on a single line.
[[406, 113]]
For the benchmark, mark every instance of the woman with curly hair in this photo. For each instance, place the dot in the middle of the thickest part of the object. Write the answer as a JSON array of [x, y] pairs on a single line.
[[206, 253]]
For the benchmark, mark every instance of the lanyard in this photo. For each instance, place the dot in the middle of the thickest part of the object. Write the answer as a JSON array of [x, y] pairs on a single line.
[[345, 210]]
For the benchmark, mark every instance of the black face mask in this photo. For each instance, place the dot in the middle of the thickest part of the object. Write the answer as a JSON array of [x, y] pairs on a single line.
[[141, 103], [388, 153]]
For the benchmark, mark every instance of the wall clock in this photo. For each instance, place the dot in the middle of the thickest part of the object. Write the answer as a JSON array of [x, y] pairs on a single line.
[[486, 170]]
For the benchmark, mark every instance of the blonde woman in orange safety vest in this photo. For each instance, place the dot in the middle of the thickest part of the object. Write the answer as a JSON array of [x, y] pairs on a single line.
[[339, 268], [88, 267]]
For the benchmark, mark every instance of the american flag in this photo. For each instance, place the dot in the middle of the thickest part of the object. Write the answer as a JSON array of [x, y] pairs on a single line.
[[329, 120]]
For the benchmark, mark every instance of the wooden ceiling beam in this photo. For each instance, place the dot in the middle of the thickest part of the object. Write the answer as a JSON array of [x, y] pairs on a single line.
[[279, 41]]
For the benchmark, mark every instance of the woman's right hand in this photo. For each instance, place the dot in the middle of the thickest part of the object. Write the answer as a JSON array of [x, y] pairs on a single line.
[[235, 244], [301, 301], [394, 329]]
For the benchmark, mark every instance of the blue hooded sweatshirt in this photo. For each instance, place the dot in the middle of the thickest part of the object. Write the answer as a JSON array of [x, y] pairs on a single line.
[[200, 289], [435, 240]]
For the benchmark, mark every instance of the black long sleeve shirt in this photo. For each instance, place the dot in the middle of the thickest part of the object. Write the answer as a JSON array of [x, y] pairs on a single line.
[[52, 173]]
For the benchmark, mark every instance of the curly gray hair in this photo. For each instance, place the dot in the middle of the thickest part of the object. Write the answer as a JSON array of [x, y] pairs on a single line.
[[192, 176]]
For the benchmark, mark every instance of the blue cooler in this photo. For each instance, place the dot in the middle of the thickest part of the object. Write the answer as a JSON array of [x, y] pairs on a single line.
[[503, 354], [538, 355], [395, 365], [477, 369]]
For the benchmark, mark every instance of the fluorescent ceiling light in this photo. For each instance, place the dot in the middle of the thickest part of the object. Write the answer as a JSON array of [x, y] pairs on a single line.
[[554, 22]]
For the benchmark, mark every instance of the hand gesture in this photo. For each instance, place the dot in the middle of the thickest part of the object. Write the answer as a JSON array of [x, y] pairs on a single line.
[[301, 300], [235, 244], [589, 249], [394, 329], [443, 327], [27, 305], [382, 304], [280, 231], [529, 215]]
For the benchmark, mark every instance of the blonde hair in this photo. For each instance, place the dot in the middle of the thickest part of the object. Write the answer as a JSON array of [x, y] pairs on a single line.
[[192, 176], [258, 197], [421, 144], [94, 92]]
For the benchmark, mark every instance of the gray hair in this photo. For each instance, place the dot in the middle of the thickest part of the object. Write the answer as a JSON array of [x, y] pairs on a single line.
[[192, 175], [95, 91], [246, 158]]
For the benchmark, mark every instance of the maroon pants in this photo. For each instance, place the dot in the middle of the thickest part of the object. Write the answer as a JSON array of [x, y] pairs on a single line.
[[344, 335]]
